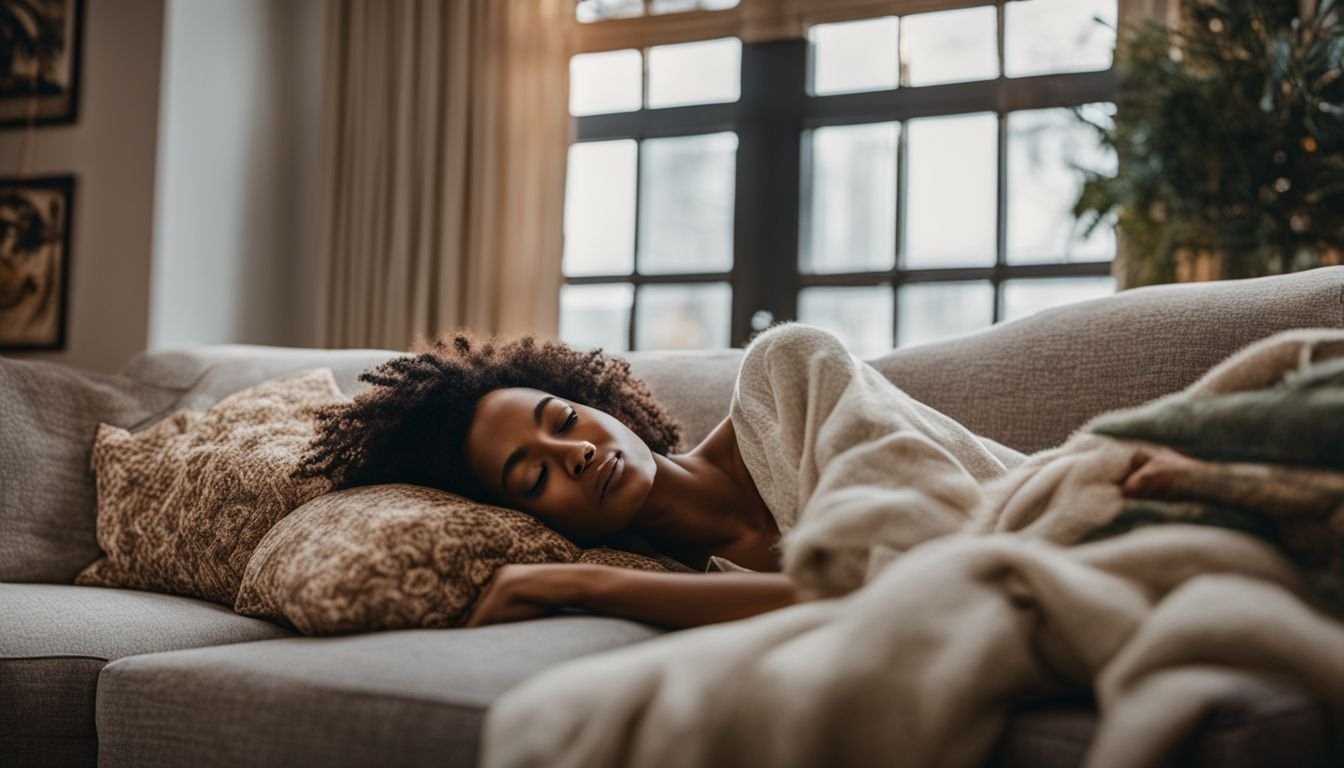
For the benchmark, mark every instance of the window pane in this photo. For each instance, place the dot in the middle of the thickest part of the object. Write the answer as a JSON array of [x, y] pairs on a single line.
[[605, 82], [676, 6], [695, 73], [937, 311], [600, 208], [1044, 37], [686, 204], [597, 10], [861, 317], [952, 195], [1046, 149], [950, 46], [596, 315], [684, 316], [1027, 297], [854, 56], [850, 221]]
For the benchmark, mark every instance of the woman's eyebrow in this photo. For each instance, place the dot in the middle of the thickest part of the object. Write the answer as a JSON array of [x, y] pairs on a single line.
[[541, 405], [521, 453]]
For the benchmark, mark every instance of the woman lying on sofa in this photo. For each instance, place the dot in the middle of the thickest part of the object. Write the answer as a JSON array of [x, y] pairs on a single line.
[[577, 441], [827, 472]]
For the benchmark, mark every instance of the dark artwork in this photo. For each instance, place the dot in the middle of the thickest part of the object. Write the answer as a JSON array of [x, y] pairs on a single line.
[[39, 61], [34, 261]]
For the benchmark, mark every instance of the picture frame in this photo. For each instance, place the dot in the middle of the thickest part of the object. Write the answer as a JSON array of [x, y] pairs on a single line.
[[35, 224], [41, 47]]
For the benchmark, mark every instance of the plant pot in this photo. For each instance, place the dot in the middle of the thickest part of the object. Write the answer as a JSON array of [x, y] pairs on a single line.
[[1197, 265]]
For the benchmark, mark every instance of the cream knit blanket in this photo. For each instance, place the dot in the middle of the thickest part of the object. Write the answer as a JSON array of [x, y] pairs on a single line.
[[860, 469], [923, 664]]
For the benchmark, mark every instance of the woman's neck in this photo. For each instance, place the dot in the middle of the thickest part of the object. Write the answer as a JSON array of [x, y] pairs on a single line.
[[704, 502]]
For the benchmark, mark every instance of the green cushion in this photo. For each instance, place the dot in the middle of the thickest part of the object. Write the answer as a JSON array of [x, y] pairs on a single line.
[[1300, 421]]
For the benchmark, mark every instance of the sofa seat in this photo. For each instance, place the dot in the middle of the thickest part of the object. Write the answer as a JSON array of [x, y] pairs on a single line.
[[56, 638], [405, 698], [1258, 724]]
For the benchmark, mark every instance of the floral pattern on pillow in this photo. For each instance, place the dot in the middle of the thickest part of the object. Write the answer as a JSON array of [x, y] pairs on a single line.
[[182, 504], [394, 556]]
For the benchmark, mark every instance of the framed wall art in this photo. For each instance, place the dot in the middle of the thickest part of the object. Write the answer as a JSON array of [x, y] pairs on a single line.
[[35, 218], [40, 46]]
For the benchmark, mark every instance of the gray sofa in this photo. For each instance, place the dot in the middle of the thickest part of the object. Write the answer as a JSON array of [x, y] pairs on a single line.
[[127, 678]]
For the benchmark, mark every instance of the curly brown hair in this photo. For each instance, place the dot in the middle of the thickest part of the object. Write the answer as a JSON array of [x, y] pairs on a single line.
[[411, 425]]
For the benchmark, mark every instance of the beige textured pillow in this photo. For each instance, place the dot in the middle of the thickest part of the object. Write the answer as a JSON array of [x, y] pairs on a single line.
[[182, 504], [394, 557]]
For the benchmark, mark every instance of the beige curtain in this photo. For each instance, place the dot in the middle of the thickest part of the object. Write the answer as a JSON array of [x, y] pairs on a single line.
[[442, 181]]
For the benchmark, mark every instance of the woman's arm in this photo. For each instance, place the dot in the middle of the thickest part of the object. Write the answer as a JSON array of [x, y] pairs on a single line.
[[676, 600]]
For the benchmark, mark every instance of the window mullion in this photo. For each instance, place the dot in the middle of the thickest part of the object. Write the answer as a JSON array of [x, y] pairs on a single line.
[[768, 191], [634, 294], [1001, 228]]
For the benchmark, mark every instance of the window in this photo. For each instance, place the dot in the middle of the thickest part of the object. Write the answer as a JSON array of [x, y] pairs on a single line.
[[650, 197], [589, 11], [897, 180]]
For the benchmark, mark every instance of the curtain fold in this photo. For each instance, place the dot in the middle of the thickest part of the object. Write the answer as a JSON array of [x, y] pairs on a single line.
[[445, 133]]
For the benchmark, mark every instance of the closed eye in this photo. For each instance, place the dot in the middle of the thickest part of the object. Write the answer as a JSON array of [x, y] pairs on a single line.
[[541, 480], [535, 490]]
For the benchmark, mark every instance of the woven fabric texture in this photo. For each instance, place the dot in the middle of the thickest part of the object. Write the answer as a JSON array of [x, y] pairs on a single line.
[[413, 698], [48, 417], [1028, 384], [181, 505], [56, 638], [395, 557]]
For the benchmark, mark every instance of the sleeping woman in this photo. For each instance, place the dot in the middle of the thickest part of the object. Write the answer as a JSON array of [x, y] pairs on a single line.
[[577, 441]]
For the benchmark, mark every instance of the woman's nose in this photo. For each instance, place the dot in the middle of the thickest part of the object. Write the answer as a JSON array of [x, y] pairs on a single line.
[[580, 457]]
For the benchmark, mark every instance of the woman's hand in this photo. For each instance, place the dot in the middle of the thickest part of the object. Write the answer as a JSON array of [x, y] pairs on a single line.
[[674, 600], [1157, 472], [522, 592]]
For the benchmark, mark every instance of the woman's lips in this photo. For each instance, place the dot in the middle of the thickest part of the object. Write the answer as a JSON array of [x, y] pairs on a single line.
[[610, 473]]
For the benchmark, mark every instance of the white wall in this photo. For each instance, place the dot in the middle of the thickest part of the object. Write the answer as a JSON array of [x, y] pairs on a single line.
[[111, 152], [237, 169]]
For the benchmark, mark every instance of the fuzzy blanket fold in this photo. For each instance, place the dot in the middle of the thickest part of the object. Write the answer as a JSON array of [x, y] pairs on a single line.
[[924, 662]]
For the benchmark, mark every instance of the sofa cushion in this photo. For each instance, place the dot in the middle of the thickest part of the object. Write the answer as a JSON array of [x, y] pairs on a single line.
[[48, 416], [396, 556], [409, 697], [1029, 383], [388, 557], [1259, 725], [54, 640], [181, 505]]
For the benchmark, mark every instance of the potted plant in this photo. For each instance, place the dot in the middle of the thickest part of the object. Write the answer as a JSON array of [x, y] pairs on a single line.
[[1229, 132]]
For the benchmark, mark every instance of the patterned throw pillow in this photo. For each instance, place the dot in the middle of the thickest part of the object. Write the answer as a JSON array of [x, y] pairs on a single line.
[[395, 557], [182, 504]]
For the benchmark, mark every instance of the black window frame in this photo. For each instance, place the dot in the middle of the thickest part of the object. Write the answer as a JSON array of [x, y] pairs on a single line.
[[772, 119]]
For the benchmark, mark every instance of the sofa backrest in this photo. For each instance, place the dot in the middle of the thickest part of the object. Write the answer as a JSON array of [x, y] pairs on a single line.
[[48, 416], [1030, 383], [695, 386], [1027, 384]]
